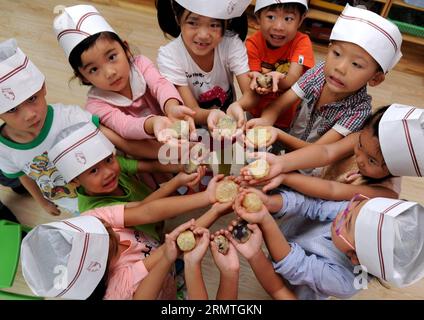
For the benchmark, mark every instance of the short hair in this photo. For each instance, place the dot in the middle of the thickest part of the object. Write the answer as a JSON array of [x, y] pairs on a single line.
[[166, 9], [373, 121], [294, 6]]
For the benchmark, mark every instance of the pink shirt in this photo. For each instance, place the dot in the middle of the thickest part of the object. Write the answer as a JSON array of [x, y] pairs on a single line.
[[128, 270], [126, 117]]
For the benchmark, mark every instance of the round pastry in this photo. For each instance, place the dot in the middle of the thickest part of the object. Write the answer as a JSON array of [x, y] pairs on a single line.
[[264, 81], [186, 240], [180, 129], [252, 202], [226, 191], [259, 136], [241, 232], [222, 244], [227, 126], [259, 168]]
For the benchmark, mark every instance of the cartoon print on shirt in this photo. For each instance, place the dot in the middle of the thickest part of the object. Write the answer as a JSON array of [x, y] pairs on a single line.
[[216, 98], [281, 66], [50, 181], [148, 243]]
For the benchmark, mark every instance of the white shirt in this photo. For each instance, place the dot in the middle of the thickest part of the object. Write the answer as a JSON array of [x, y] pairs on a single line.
[[230, 58]]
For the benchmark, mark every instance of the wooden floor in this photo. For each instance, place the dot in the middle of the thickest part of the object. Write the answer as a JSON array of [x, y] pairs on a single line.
[[30, 22]]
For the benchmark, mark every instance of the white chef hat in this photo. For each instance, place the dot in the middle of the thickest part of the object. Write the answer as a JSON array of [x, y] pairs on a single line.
[[76, 23], [79, 150], [224, 9], [401, 135], [65, 258], [19, 77], [265, 3], [373, 33], [389, 240]]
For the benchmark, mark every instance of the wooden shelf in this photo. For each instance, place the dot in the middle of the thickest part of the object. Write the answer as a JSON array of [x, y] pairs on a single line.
[[401, 3]]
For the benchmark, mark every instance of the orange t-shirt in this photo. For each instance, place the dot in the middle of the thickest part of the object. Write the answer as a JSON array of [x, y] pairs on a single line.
[[264, 59]]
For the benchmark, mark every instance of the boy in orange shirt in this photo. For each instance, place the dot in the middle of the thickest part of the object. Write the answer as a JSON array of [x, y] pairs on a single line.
[[279, 50]]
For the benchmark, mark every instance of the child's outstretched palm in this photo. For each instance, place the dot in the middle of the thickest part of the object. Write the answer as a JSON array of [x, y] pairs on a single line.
[[252, 246], [196, 255], [228, 262]]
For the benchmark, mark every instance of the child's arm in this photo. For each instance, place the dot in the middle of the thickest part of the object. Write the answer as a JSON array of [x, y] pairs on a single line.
[[158, 265], [261, 266], [201, 115], [196, 289], [162, 209], [293, 143], [332, 190], [156, 166], [140, 149], [35, 192], [313, 156], [229, 269], [172, 185]]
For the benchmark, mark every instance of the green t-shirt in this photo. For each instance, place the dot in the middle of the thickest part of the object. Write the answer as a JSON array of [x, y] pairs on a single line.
[[134, 190]]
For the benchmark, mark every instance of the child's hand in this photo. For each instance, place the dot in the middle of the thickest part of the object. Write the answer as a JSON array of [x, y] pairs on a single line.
[[274, 136], [228, 262], [213, 118], [211, 189], [179, 112], [161, 128], [252, 246], [196, 255], [274, 182], [190, 180], [251, 217], [236, 111], [275, 167], [253, 75], [276, 77], [50, 207], [255, 122], [223, 208], [264, 198], [171, 251]]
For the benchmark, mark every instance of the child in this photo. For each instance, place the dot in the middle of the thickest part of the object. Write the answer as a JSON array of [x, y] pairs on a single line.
[[279, 50], [85, 156], [97, 257], [368, 162], [332, 255], [227, 264], [127, 92], [261, 266], [30, 128], [206, 54], [364, 47]]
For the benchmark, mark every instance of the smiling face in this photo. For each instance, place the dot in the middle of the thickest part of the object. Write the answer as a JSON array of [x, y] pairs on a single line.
[[200, 34], [102, 178], [348, 68], [106, 66], [279, 25], [369, 157], [27, 119]]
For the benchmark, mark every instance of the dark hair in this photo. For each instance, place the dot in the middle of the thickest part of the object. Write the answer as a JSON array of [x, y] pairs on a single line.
[[169, 14], [75, 55], [290, 6], [373, 121]]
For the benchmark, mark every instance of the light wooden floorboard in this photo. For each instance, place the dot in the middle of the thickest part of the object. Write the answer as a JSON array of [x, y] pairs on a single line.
[[30, 22]]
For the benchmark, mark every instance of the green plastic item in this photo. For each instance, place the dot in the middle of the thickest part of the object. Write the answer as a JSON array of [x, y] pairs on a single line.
[[10, 244], [412, 29]]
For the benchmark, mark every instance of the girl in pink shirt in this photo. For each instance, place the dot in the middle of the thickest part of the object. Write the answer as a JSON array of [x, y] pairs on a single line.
[[127, 92]]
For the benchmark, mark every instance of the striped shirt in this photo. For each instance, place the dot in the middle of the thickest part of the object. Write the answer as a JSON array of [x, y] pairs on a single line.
[[345, 116]]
